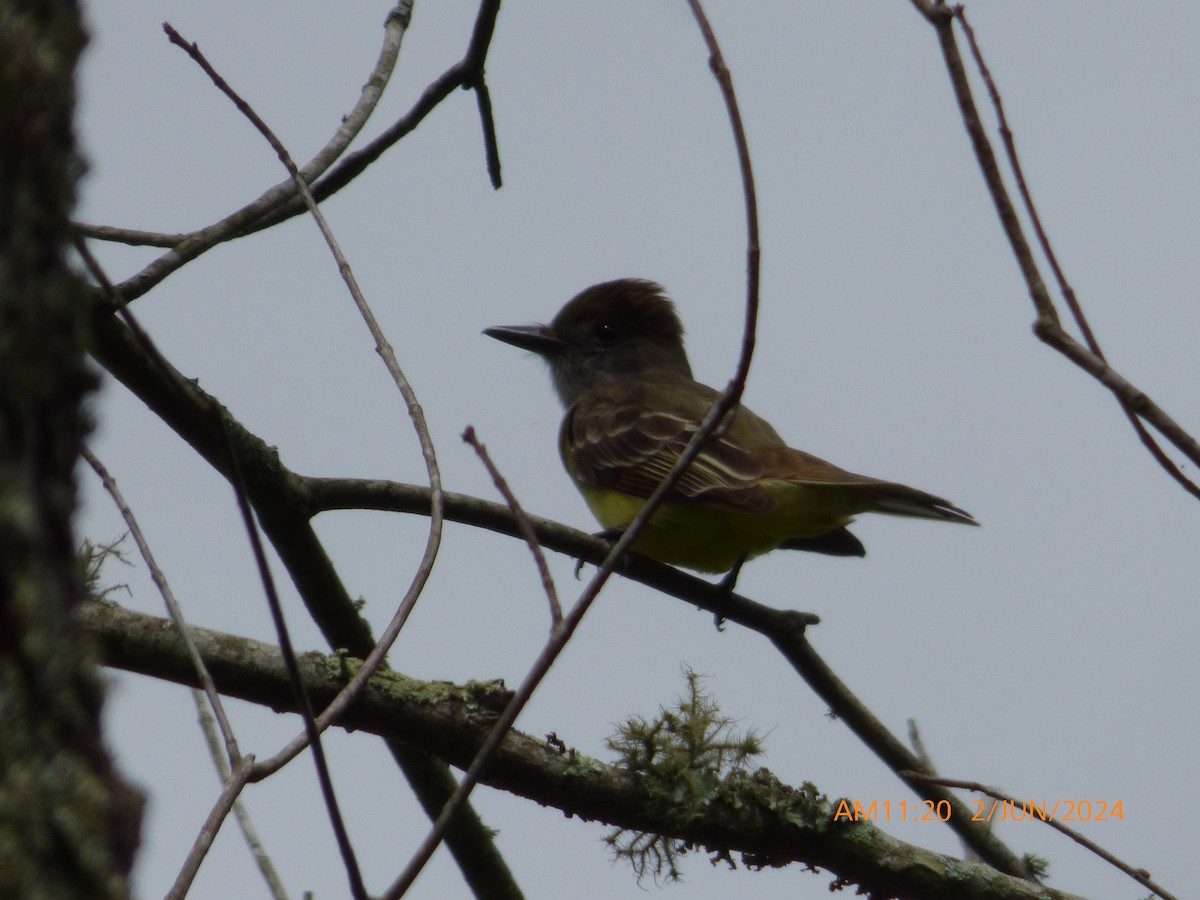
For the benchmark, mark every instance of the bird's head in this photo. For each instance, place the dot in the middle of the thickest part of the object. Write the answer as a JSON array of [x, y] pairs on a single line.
[[614, 331]]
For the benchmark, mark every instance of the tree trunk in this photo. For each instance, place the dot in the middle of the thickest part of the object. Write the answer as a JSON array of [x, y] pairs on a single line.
[[68, 823]]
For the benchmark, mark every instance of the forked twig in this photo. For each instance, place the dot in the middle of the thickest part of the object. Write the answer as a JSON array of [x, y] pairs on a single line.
[[1068, 292], [321, 764], [384, 348], [212, 415], [173, 609], [1141, 876], [560, 636], [1136, 404], [183, 248], [212, 719], [249, 833], [208, 831]]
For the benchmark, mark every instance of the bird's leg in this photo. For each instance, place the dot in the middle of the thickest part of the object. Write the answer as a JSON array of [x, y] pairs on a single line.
[[729, 582], [725, 590], [611, 535]]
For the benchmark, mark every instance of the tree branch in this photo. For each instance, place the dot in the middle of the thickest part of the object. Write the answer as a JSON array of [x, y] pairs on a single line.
[[239, 222], [773, 825], [786, 629], [272, 491], [285, 501], [1048, 326]]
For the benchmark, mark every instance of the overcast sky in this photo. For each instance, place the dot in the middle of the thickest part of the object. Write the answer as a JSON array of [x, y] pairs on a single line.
[[1050, 653]]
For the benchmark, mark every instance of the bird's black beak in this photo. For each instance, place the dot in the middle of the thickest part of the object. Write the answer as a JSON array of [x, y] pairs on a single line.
[[536, 338]]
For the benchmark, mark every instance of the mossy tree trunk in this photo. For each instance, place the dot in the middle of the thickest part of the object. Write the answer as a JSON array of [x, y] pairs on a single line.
[[68, 823]]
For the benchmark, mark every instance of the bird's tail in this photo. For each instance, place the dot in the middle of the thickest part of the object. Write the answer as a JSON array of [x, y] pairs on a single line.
[[901, 500]]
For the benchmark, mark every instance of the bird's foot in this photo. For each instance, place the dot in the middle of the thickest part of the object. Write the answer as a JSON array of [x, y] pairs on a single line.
[[611, 535], [725, 591]]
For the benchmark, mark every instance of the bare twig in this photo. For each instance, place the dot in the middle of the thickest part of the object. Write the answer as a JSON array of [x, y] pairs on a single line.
[[133, 237], [753, 252], [1141, 876], [1068, 292], [173, 608], [455, 77], [918, 746], [523, 524], [193, 244], [279, 498], [211, 718], [491, 145], [1048, 328], [271, 209], [723, 406], [386, 352], [249, 833], [473, 78], [212, 414], [208, 831], [357, 888]]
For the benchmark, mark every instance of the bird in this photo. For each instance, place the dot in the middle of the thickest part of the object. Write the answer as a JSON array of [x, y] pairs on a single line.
[[618, 364]]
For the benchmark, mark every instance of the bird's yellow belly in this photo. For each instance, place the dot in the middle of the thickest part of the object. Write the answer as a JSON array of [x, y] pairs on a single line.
[[712, 540]]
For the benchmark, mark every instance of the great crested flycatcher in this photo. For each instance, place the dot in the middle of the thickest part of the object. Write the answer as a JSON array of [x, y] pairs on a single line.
[[616, 356]]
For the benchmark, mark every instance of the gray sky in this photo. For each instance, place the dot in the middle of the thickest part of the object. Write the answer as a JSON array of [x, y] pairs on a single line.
[[1050, 653]]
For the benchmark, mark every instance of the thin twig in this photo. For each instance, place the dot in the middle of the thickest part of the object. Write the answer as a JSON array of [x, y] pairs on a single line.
[[133, 237], [1014, 162], [395, 26], [213, 717], [491, 145], [357, 888], [473, 78], [386, 352], [1064, 286], [918, 747], [723, 406], [750, 196], [278, 496], [173, 608], [523, 524], [356, 162], [209, 721], [1141, 876], [211, 413], [249, 833], [208, 831], [384, 348], [1048, 328], [272, 207], [238, 222]]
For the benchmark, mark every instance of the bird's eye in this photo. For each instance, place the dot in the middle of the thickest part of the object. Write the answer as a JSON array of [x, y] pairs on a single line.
[[606, 332]]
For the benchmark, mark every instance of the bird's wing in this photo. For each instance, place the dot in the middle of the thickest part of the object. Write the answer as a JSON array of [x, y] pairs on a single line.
[[627, 436], [875, 495]]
